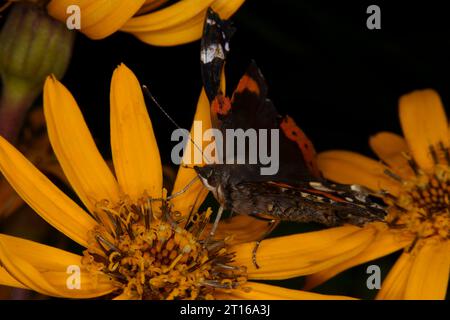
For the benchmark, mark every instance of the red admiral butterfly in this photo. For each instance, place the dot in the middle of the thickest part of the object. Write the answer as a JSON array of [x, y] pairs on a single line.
[[297, 192]]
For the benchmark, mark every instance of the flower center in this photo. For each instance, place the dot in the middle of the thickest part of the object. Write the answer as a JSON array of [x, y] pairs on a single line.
[[158, 255], [422, 206]]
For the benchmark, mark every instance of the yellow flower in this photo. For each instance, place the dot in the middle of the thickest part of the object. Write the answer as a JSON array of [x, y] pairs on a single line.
[[175, 24], [138, 245], [415, 173]]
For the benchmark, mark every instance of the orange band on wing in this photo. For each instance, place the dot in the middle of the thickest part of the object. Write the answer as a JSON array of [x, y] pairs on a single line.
[[326, 195], [294, 133], [247, 83], [221, 105]]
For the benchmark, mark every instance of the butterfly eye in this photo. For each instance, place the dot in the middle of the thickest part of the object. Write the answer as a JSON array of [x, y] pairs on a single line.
[[204, 172]]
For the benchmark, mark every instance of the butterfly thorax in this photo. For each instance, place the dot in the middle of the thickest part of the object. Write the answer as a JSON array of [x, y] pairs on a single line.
[[215, 178], [222, 180]]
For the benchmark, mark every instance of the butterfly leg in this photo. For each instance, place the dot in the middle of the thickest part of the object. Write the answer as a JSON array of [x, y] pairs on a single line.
[[272, 225], [215, 224], [185, 188]]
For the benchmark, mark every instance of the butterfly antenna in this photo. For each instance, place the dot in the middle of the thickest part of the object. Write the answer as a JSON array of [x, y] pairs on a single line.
[[151, 97]]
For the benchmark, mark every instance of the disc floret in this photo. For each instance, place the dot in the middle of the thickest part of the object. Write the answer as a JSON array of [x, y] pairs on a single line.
[[152, 253]]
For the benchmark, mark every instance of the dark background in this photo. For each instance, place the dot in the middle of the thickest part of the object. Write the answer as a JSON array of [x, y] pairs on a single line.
[[339, 80]]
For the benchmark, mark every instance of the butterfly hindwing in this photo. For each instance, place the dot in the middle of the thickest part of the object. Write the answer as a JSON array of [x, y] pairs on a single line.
[[304, 203], [299, 147], [249, 108]]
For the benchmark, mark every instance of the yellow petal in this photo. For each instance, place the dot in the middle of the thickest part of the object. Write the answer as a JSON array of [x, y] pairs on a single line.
[[134, 148], [385, 242], [393, 287], [43, 196], [99, 18], [25, 273], [7, 280], [302, 254], [74, 147], [150, 5], [424, 124], [91, 285], [241, 228], [186, 32], [260, 291], [179, 23], [352, 168], [52, 267], [173, 15], [196, 193], [428, 278], [390, 148], [41, 256]]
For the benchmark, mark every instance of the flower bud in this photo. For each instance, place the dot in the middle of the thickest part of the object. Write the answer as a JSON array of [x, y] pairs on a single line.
[[32, 46]]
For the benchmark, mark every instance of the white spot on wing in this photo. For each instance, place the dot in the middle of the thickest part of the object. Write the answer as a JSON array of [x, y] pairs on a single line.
[[319, 186], [315, 198], [211, 22], [213, 51]]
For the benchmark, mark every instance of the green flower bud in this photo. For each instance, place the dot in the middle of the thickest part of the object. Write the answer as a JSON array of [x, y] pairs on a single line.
[[32, 46]]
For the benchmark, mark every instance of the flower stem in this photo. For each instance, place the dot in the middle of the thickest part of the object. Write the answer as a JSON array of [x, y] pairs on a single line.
[[33, 46], [15, 101]]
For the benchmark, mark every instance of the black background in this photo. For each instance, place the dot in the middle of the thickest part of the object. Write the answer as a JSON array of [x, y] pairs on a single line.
[[338, 79]]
